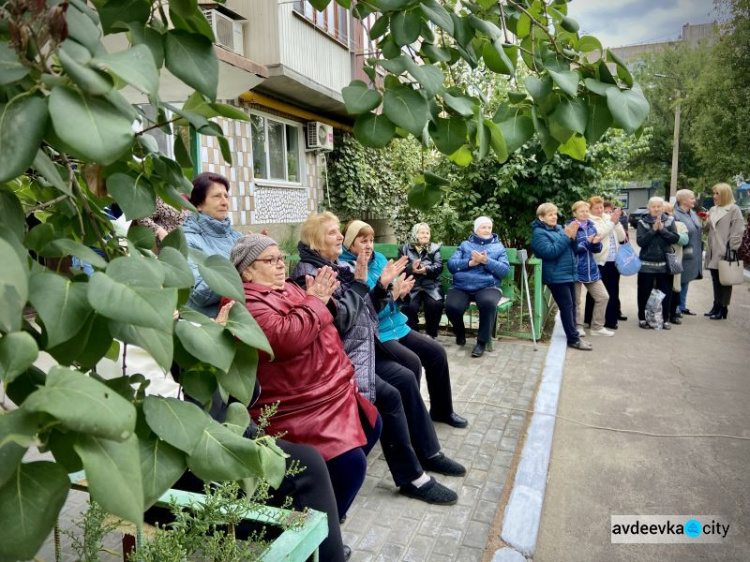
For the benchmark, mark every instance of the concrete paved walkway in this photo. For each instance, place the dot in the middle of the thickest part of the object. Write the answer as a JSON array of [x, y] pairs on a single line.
[[693, 379]]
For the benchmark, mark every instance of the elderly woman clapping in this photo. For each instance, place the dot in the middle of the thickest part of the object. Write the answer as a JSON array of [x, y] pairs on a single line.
[[310, 377]]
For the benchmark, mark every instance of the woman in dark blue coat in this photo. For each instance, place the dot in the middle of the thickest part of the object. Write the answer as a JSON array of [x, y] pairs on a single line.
[[556, 247]]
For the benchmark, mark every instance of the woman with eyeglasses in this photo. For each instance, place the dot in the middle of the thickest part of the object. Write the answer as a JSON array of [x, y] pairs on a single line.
[[310, 376]]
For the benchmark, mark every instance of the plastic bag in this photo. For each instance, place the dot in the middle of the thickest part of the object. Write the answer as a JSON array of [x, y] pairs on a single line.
[[653, 309], [627, 262]]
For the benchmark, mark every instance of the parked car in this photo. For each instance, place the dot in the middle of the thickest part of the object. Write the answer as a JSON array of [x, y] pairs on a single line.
[[637, 215]]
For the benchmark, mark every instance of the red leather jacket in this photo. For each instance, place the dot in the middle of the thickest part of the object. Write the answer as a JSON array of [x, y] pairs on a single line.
[[311, 376]]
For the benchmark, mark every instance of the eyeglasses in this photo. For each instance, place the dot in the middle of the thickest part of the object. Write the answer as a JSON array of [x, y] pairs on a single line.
[[276, 260]]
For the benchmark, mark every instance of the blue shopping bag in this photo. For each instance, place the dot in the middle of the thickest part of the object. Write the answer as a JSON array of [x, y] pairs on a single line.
[[627, 262]]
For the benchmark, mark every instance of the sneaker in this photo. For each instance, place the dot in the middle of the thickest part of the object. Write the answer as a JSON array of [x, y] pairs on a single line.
[[643, 324], [581, 333], [444, 465], [580, 344], [666, 326], [432, 492], [602, 332]]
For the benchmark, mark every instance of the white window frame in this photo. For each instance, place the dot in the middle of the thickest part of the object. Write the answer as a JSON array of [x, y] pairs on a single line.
[[138, 126], [300, 152]]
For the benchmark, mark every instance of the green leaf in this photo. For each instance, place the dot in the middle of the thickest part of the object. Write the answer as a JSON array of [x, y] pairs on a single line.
[[83, 404], [462, 157], [238, 418], [14, 288], [61, 304], [497, 140], [629, 108], [17, 430], [523, 26], [372, 130], [198, 382], [598, 87], [424, 196], [11, 69], [539, 88], [429, 77], [406, 108], [135, 195], [569, 24], [622, 68], [22, 123], [405, 27], [223, 455], [179, 423], [483, 139], [239, 379], [141, 237], [192, 59], [599, 119], [389, 5], [496, 59], [516, 131], [92, 82], [123, 12], [176, 239], [434, 53], [359, 98], [437, 14], [380, 27], [90, 126], [219, 273], [558, 131], [161, 466], [149, 37], [136, 271], [113, 471], [462, 105], [159, 344], [575, 147], [588, 43], [97, 345], [135, 66], [66, 247], [12, 215], [51, 172], [230, 112], [176, 269], [208, 342], [29, 505], [184, 15], [448, 134], [320, 5], [82, 29], [149, 308], [243, 326], [566, 80], [572, 114], [395, 65], [435, 180], [486, 27]]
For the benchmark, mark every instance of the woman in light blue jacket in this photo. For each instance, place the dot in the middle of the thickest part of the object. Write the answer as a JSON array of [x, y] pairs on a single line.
[[478, 266], [210, 231]]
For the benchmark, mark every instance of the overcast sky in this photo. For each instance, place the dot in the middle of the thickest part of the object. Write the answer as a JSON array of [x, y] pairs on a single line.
[[625, 22]]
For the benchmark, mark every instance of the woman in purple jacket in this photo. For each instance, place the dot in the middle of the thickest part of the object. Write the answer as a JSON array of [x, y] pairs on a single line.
[[478, 266]]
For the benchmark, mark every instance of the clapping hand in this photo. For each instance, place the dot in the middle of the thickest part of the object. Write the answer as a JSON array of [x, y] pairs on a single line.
[[360, 268], [571, 231], [595, 238], [223, 315], [477, 258], [615, 217], [392, 270], [658, 224], [417, 268], [402, 286], [324, 285]]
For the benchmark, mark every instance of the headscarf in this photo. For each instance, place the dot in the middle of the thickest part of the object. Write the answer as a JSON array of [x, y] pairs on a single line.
[[415, 231]]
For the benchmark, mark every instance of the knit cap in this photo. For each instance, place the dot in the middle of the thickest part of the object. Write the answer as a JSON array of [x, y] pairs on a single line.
[[247, 249], [352, 232], [480, 221]]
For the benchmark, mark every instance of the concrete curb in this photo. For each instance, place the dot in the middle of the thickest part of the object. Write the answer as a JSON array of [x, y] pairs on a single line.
[[524, 510]]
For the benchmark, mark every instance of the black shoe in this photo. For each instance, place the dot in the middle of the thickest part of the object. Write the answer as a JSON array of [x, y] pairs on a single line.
[[461, 340], [678, 314], [432, 492], [347, 552], [453, 420], [342, 520], [714, 310], [720, 314], [443, 465], [675, 320], [643, 324], [611, 326], [478, 350], [688, 312], [622, 317]]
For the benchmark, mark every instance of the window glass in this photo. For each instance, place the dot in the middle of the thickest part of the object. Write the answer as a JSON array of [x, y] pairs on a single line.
[[276, 150], [260, 165], [292, 154]]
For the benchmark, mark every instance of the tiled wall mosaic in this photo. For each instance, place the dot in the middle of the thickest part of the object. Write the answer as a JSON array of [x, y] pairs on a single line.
[[251, 201]]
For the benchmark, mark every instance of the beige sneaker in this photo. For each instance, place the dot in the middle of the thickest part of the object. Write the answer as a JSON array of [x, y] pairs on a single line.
[[602, 332]]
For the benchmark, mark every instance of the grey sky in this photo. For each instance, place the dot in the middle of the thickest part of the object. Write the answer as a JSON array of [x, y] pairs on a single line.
[[625, 22]]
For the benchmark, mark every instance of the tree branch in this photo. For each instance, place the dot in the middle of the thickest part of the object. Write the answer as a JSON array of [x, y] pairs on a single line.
[[546, 31], [41, 206]]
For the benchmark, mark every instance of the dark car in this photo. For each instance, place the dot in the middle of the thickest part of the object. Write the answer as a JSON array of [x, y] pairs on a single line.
[[637, 215]]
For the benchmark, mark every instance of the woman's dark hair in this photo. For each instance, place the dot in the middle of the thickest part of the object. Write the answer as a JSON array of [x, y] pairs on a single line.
[[202, 182]]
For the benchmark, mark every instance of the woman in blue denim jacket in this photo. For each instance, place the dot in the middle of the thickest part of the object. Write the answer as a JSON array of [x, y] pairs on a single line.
[[478, 266]]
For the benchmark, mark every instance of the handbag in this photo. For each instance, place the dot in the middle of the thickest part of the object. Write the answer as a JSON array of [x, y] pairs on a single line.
[[674, 264], [627, 261], [731, 269]]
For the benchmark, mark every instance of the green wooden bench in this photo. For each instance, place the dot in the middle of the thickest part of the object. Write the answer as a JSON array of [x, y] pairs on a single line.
[[293, 545]]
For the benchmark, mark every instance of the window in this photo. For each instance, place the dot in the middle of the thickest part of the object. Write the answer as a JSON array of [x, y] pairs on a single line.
[[148, 119], [333, 20], [276, 149]]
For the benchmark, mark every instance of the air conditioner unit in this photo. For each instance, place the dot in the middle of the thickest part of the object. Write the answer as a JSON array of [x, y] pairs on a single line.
[[319, 136], [229, 33]]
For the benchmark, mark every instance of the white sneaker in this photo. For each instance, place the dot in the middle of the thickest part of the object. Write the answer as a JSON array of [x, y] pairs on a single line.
[[602, 332], [581, 333]]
